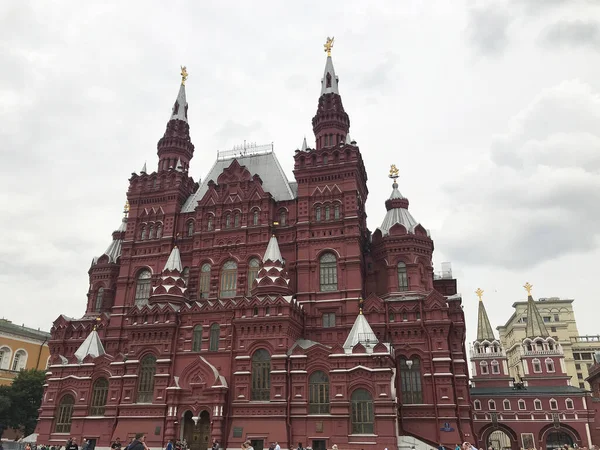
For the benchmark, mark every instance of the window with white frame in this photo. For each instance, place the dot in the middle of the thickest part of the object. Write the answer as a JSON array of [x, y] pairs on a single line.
[[19, 360], [483, 367], [522, 405], [569, 404], [549, 365], [553, 404], [5, 354], [537, 366], [506, 405], [537, 405], [492, 405], [477, 405], [495, 367]]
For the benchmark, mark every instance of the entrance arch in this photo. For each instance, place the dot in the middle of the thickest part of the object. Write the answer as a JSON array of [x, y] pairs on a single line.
[[555, 439], [499, 440], [196, 430]]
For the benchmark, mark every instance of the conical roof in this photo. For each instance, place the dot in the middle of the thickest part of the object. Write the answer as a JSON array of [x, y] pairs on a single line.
[[361, 332], [535, 324], [304, 145], [91, 346], [484, 328], [273, 253], [180, 107], [397, 213], [329, 82], [174, 261]]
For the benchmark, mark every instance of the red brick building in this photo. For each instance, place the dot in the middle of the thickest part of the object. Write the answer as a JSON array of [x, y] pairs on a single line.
[[594, 401], [539, 409], [232, 308]]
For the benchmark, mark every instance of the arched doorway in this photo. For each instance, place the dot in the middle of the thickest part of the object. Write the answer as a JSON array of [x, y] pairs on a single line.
[[556, 439], [196, 433], [499, 440]]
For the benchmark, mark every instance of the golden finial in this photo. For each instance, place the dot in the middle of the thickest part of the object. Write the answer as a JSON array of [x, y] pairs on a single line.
[[98, 320], [184, 74], [528, 287], [394, 172], [328, 45], [479, 293], [126, 207], [360, 305]]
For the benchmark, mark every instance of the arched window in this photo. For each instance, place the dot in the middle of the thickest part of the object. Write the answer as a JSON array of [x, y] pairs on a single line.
[[209, 223], [327, 215], [492, 405], [236, 220], [190, 228], [522, 405], [261, 375], [318, 393], [204, 285], [227, 220], [151, 232], [282, 218], [506, 405], [569, 404], [318, 213], [362, 412], [229, 279], [495, 367], [483, 368], [549, 365], [336, 211], [145, 392], [99, 299], [537, 366], [410, 373], [185, 275], [143, 233], [477, 405], [197, 339], [553, 404], [64, 414], [142, 288], [402, 277], [255, 217], [215, 334], [159, 231], [537, 405], [5, 354], [326, 158], [20, 360], [328, 272], [99, 395], [253, 268]]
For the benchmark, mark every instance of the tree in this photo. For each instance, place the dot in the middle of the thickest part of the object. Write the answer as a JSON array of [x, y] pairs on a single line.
[[5, 403], [25, 397]]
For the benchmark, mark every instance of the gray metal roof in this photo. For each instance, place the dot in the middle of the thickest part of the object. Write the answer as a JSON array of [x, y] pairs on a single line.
[[264, 165], [7, 326], [334, 79], [114, 249], [361, 332], [174, 261], [179, 113], [273, 253], [398, 215], [91, 346]]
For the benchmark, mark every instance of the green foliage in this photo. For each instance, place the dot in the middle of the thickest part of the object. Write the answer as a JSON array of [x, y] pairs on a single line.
[[19, 402]]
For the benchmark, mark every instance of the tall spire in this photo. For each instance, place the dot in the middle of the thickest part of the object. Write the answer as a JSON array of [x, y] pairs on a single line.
[[535, 324], [484, 329], [331, 123], [176, 143]]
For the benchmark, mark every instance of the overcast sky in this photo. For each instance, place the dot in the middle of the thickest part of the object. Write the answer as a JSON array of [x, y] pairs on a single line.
[[491, 111]]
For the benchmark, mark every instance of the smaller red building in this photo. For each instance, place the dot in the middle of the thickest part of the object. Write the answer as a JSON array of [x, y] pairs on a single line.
[[539, 409], [594, 400]]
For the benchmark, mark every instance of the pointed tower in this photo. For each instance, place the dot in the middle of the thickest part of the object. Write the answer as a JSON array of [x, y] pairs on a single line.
[[542, 358], [91, 346], [176, 148], [488, 358], [330, 123], [272, 279], [171, 287]]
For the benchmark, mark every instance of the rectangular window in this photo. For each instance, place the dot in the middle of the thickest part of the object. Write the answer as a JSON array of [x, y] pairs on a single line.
[[328, 320], [204, 287], [556, 318], [582, 385], [580, 376], [586, 356], [547, 319], [553, 329], [578, 366], [576, 356]]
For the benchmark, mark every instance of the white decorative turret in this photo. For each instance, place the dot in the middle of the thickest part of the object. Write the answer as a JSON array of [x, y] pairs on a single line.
[[272, 278], [91, 346], [171, 287]]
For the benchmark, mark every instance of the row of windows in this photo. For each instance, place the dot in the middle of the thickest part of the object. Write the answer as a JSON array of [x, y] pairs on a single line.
[[233, 220], [8, 362], [151, 231], [537, 405], [228, 285], [64, 414], [324, 213]]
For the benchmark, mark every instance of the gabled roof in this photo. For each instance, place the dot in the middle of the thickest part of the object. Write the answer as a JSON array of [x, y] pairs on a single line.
[[91, 346], [265, 165]]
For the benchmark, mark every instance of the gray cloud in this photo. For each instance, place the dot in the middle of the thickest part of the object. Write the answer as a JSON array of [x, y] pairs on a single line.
[[487, 29], [572, 33], [533, 200]]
